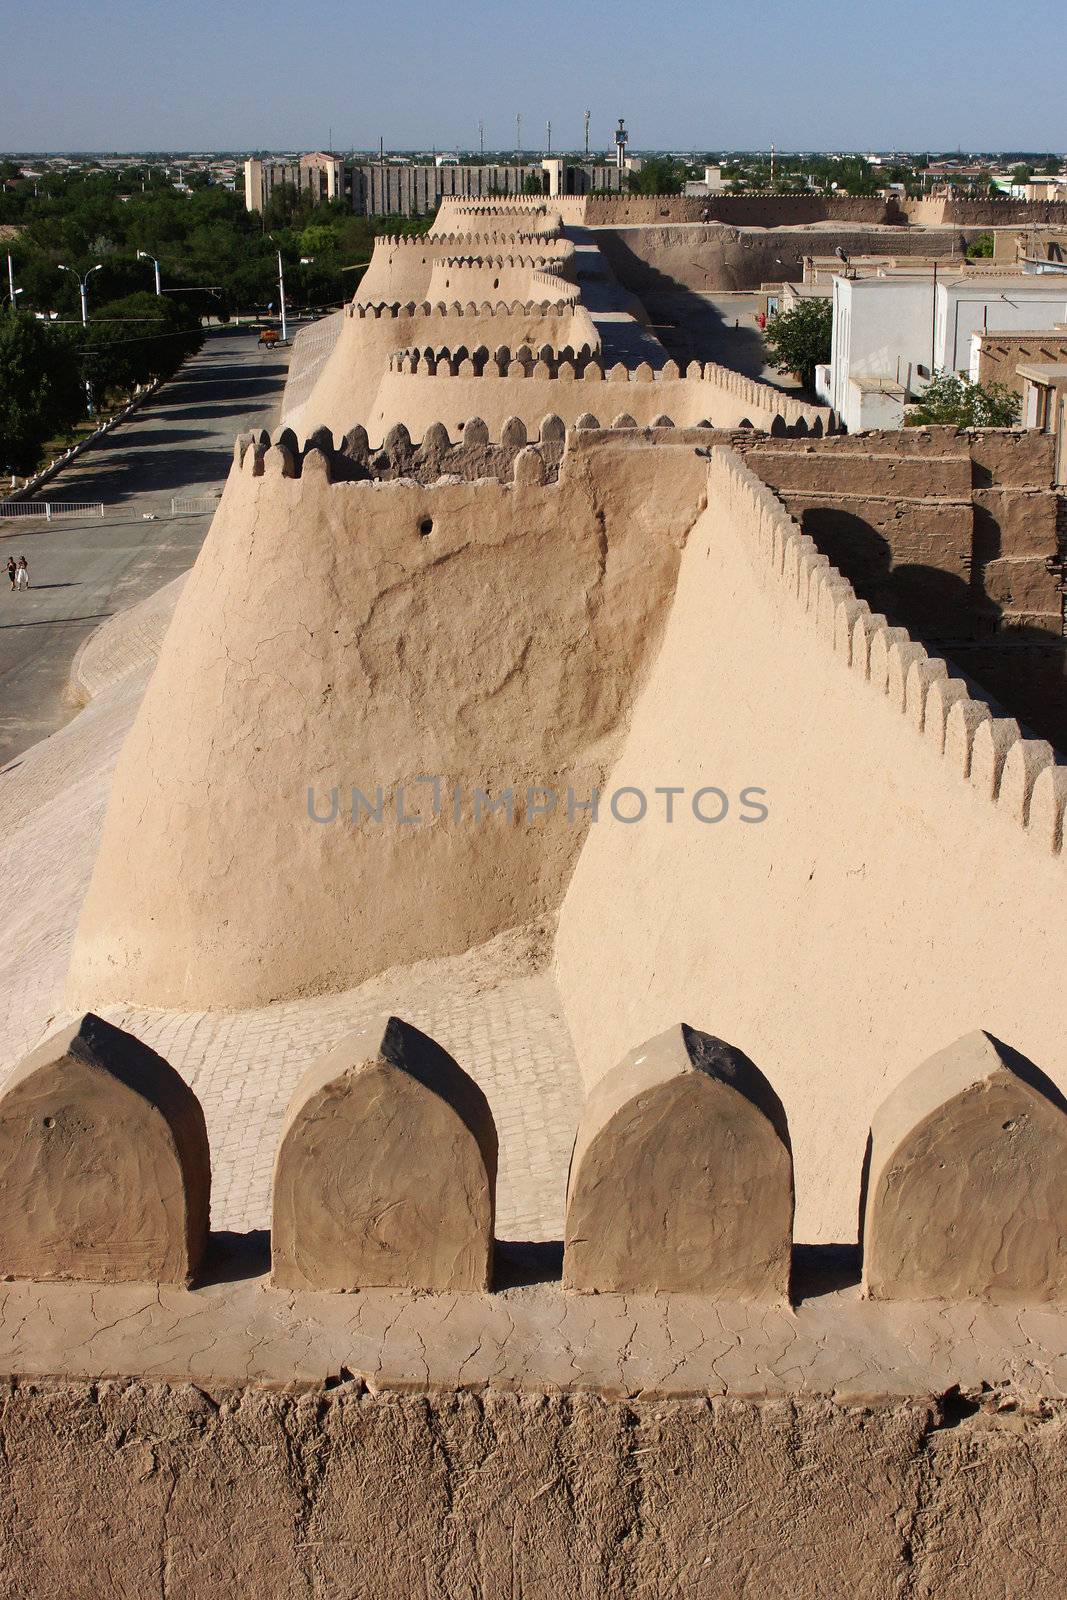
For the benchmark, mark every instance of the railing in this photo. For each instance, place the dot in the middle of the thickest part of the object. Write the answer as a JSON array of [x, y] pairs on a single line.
[[192, 504], [51, 509]]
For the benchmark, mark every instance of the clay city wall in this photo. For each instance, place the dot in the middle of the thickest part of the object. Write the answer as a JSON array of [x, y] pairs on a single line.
[[531, 213], [715, 256], [439, 383], [954, 534], [501, 278], [491, 634], [827, 939], [401, 268], [431, 1425], [761, 210], [341, 392]]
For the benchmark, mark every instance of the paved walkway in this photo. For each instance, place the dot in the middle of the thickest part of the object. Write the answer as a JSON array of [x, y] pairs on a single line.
[[84, 570], [495, 1008], [623, 337]]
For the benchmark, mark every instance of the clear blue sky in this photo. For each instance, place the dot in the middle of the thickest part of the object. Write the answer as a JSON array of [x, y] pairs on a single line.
[[218, 74]]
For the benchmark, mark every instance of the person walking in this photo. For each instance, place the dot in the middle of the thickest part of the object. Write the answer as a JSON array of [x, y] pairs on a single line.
[[22, 574], [11, 570]]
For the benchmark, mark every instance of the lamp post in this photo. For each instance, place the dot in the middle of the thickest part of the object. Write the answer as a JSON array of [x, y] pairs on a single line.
[[83, 284], [143, 255], [281, 295], [12, 291]]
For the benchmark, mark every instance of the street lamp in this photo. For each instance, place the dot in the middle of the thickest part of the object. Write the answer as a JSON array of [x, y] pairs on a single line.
[[281, 289], [12, 291], [83, 284], [143, 255]]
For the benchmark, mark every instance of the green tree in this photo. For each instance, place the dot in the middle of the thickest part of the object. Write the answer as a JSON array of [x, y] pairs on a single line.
[[959, 403], [982, 246], [660, 175], [41, 393], [800, 339], [138, 339]]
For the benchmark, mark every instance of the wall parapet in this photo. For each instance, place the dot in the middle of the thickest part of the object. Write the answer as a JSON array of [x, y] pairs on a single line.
[[589, 366], [1020, 777], [392, 309]]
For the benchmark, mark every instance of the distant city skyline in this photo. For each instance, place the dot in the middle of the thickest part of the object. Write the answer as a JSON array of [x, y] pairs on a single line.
[[193, 76]]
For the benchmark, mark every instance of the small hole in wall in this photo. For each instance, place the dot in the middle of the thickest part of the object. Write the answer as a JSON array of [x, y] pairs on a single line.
[[49, 1122], [426, 526]]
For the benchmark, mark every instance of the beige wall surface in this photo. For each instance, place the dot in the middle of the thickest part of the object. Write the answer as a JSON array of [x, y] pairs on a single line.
[[721, 397], [367, 633], [885, 907], [343, 393]]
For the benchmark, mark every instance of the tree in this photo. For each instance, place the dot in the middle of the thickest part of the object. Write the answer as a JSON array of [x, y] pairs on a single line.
[[139, 338], [659, 175], [959, 403], [532, 184], [982, 246], [800, 339], [41, 393]]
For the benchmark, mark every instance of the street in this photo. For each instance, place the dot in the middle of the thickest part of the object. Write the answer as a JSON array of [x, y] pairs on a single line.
[[83, 570]]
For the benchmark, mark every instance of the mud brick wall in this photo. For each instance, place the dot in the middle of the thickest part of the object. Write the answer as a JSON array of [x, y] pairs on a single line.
[[953, 534]]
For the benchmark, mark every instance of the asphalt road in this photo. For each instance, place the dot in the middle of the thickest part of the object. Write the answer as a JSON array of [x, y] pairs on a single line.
[[85, 569]]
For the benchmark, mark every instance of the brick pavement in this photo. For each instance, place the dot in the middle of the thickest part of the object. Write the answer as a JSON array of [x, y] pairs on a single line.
[[492, 1008]]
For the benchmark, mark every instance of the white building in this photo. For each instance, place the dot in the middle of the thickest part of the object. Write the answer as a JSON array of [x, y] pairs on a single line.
[[892, 333]]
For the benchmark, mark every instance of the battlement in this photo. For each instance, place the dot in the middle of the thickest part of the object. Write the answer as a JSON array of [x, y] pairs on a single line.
[[1019, 777], [501, 308], [464, 242], [768, 406], [472, 456], [385, 1173]]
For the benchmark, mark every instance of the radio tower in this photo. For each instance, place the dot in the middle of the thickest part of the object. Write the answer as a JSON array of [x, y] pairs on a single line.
[[587, 136]]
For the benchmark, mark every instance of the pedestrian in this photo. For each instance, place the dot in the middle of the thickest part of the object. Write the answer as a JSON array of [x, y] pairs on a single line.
[[11, 570], [22, 574]]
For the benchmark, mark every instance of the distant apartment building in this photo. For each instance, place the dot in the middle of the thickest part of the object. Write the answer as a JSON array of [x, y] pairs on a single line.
[[407, 188], [321, 175]]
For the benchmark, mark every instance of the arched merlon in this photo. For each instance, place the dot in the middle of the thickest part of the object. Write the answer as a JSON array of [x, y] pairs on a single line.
[[386, 1169], [965, 1181], [908, 882], [104, 1167], [433, 381], [682, 1177]]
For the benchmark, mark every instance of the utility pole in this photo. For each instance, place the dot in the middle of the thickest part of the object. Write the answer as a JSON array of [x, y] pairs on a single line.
[[587, 136], [83, 285], [281, 296], [518, 149], [11, 280], [548, 152], [772, 166], [481, 138]]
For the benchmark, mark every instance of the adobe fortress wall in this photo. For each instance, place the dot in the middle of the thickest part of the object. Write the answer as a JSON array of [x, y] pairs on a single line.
[[342, 393], [401, 268], [366, 633], [438, 383], [907, 886]]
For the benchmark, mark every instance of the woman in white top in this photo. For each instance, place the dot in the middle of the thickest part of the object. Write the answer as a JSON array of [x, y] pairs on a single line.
[[22, 574]]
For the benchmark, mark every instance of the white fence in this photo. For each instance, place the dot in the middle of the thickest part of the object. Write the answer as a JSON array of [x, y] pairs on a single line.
[[192, 503], [51, 509]]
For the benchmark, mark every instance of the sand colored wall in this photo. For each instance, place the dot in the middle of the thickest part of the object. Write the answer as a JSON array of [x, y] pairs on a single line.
[[711, 256], [332, 642], [742, 210], [526, 213], [502, 277], [1001, 354], [887, 906], [342, 395], [708, 393], [401, 267]]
